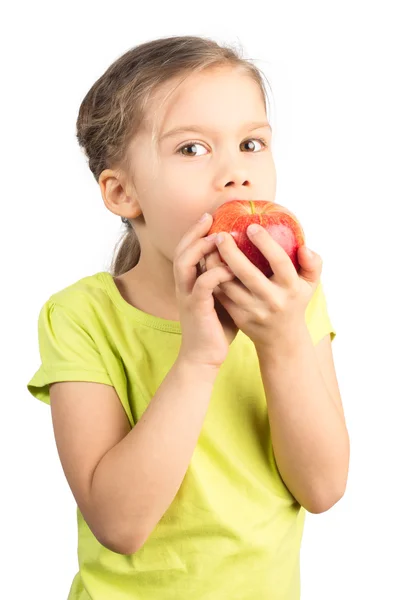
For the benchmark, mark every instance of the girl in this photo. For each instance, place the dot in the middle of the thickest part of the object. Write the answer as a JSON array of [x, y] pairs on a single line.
[[195, 407]]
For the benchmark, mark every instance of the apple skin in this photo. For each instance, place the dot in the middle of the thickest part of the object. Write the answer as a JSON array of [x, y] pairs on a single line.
[[236, 215]]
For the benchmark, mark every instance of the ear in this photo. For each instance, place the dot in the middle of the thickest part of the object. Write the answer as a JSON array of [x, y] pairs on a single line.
[[119, 194]]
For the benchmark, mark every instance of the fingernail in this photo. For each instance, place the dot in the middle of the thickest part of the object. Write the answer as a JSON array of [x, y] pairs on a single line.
[[309, 252], [204, 218], [211, 237], [254, 228]]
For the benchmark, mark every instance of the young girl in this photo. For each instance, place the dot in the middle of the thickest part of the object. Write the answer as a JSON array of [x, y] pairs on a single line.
[[195, 407]]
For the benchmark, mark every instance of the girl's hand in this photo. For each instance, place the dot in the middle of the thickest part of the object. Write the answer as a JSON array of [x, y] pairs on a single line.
[[211, 261], [267, 309], [203, 338]]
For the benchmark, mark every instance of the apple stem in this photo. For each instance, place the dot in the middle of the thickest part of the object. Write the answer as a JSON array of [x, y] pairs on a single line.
[[252, 207]]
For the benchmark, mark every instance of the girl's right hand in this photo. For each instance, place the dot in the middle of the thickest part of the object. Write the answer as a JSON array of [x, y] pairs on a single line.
[[203, 338]]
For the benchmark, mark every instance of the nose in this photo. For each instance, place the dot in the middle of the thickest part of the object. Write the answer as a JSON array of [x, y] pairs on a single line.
[[237, 182], [232, 174]]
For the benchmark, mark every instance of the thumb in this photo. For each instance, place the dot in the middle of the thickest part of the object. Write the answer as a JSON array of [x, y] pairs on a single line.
[[310, 264]]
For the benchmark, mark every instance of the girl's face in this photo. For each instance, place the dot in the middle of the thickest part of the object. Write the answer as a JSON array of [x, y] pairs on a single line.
[[221, 152]]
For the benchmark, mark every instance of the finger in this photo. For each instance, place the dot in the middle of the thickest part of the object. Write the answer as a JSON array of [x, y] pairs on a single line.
[[310, 266], [251, 277], [233, 289], [185, 266], [208, 282], [197, 230], [247, 274], [281, 264], [199, 269], [212, 259], [228, 305]]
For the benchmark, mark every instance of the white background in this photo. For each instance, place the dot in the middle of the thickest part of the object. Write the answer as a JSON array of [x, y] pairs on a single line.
[[334, 72]]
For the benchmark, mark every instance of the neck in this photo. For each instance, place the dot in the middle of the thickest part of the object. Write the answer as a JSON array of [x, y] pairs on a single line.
[[152, 289]]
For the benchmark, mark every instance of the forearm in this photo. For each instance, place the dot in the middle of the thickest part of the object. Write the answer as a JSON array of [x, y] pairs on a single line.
[[137, 480], [309, 437]]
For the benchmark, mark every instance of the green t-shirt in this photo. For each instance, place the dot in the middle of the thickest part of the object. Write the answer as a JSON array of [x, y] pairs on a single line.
[[233, 530]]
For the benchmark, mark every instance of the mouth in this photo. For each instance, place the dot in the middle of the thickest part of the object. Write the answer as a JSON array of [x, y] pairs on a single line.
[[237, 200]]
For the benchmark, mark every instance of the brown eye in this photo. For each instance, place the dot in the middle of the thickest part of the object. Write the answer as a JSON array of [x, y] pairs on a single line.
[[251, 144], [189, 146]]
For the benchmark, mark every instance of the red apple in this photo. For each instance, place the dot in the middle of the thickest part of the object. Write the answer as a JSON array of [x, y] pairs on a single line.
[[235, 216]]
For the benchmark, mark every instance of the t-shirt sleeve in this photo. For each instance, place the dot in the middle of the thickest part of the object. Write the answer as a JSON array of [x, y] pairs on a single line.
[[67, 352], [317, 317]]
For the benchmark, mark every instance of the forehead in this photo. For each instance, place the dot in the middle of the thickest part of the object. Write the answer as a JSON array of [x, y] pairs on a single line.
[[215, 98]]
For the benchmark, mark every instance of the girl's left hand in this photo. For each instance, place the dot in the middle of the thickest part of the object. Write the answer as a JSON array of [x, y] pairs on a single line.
[[266, 309]]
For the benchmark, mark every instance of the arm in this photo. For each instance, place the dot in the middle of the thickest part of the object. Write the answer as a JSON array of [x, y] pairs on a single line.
[[309, 435], [136, 481]]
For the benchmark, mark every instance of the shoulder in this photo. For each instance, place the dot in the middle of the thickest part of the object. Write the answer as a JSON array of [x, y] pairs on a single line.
[[81, 307], [87, 289], [85, 300]]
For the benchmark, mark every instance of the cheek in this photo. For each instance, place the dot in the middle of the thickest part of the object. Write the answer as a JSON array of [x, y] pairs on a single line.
[[180, 200], [168, 218], [173, 200], [185, 184]]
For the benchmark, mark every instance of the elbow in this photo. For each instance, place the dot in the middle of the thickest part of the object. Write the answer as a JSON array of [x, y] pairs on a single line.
[[120, 545], [117, 547], [327, 496], [322, 505]]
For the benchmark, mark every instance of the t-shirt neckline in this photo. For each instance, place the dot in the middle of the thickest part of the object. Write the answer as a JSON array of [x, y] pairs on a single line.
[[135, 313]]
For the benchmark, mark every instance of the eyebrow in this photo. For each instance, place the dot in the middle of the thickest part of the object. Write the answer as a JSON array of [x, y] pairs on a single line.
[[197, 129]]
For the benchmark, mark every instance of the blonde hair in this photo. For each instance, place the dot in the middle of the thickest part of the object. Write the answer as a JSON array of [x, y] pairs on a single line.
[[113, 109]]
